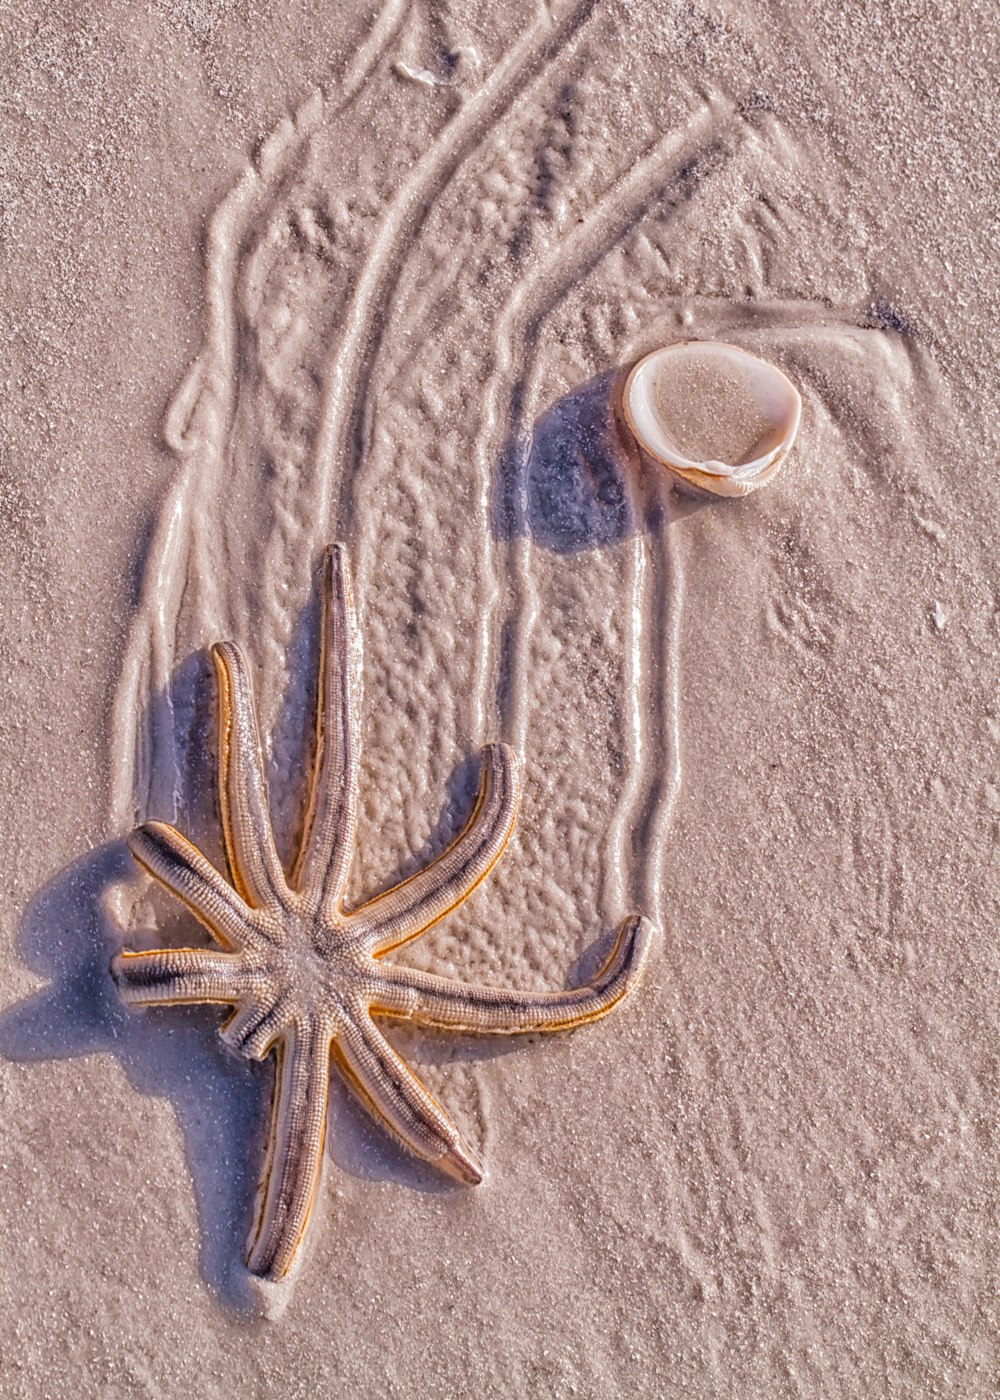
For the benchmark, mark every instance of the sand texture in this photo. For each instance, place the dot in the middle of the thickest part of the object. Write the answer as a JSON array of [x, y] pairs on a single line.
[[710, 410], [276, 275]]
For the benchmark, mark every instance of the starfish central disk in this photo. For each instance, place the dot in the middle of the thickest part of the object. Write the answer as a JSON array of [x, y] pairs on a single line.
[[305, 977]]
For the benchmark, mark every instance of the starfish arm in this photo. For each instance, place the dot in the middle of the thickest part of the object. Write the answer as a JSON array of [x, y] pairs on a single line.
[[294, 1160], [177, 975], [410, 908], [253, 859], [392, 1093], [182, 869], [255, 1025], [328, 842], [437, 1001]]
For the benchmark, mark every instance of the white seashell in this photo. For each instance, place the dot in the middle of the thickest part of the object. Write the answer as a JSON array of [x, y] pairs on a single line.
[[718, 417]]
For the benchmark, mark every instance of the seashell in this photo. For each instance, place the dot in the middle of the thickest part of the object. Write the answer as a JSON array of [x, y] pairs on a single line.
[[720, 418]]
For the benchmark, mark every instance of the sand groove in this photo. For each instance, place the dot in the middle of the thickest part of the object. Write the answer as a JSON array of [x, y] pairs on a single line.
[[340, 440], [186, 558]]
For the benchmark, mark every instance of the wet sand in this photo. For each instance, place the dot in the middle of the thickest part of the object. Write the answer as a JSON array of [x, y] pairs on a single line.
[[377, 275]]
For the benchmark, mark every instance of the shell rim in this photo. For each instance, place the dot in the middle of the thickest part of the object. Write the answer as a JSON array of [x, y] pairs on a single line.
[[745, 474]]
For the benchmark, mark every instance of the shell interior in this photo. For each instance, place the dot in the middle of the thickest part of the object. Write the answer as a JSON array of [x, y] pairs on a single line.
[[713, 413]]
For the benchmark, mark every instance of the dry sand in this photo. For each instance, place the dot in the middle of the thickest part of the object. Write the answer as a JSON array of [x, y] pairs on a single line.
[[276, 274]]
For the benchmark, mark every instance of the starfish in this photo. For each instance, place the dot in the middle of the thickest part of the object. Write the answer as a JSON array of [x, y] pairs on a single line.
[[305, 976]]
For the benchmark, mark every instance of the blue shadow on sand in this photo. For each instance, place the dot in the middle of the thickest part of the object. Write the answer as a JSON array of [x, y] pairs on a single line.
[[567, 487], [573, 475]]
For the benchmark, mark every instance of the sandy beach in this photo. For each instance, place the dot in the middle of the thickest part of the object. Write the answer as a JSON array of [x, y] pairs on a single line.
[[281, 275]]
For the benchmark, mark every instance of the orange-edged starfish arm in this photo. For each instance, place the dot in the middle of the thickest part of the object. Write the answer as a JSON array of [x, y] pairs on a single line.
[[179, 975], [437, 1001], [294, 1161], [257, 1024], [253, 859], [331, 824], [182, 869], [411, 907], [392, 1092]]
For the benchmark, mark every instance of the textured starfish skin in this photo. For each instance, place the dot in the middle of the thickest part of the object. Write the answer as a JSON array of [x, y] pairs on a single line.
[[303, 975]]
